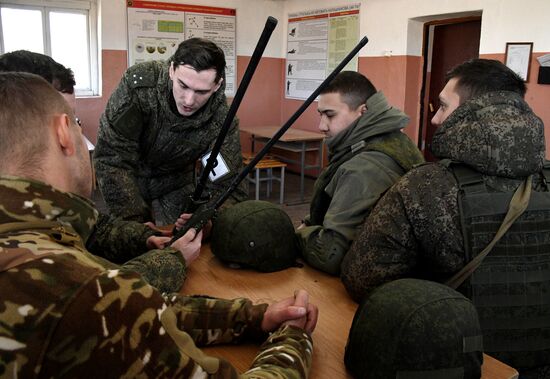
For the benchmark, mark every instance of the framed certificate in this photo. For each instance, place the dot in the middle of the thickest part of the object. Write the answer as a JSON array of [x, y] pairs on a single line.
[[518, 58]]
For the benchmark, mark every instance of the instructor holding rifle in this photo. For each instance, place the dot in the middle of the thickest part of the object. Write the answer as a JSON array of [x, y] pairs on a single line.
[[205, 212], [162, 118]]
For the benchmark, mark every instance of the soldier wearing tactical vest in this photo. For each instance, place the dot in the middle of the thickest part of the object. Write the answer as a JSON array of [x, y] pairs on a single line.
[[367, 154], [441, 215], [66, 312], [160, 120]]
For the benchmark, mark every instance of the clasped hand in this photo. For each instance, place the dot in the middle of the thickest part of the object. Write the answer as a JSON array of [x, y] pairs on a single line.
[[296, 311]]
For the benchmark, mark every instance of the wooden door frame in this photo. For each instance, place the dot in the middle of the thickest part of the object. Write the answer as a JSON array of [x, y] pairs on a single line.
[[425, 49]]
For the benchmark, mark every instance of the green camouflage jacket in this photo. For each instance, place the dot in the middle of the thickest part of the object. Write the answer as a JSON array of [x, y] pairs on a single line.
[[415, 230], [356, 185], [147, 151], [67, 313], [125, 242], [118, 240]]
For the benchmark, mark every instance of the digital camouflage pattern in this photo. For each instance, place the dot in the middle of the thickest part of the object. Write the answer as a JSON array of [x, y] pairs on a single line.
[[124, 242], [67, 313], [345, 193], [118, 240], [415, 229], [255, 234], [410, 329], [146, 151]]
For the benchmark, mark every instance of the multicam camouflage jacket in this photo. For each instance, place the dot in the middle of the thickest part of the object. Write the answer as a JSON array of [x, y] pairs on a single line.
[[349, 187], [147, 151], [415, 229], [67, 313]]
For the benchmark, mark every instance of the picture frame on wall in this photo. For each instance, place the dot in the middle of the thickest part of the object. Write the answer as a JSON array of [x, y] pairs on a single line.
[[518, 58]]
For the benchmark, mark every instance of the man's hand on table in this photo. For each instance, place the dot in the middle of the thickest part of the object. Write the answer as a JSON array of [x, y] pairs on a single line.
[[295, 311]]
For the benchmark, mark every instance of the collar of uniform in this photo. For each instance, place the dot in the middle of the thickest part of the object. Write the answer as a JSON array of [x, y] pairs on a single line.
[[380, 118], [25, 200]]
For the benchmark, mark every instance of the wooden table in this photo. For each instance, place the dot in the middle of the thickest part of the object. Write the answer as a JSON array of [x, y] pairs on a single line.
[[294, 140], [207, 276]]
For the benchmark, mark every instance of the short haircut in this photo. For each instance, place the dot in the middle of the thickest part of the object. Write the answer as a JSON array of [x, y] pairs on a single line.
[[478, 76], [201, 54], [27, 106], [353, 87], [61, 77]]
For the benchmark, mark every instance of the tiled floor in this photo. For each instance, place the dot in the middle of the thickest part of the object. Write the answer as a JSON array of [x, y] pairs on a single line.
[[292, 204]]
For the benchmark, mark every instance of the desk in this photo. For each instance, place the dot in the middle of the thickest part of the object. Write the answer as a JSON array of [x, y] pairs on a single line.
[[207, 276], [294, 140]]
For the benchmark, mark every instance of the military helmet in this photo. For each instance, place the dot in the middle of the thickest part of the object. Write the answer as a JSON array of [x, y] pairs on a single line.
[[410, 329], [255, 234]]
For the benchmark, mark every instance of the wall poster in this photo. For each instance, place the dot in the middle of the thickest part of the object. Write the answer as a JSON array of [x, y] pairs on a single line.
[[156, 29], [317, 41]]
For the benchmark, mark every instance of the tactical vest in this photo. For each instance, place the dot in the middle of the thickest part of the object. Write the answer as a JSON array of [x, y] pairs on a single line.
[[396, 145], [511, 287]]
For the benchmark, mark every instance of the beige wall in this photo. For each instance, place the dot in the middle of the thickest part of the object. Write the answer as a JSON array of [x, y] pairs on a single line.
[[392, 59]]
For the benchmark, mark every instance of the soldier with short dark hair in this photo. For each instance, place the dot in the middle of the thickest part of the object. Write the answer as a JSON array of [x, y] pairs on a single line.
[[136, 245], [440, 216], [367, 154], [66, 312], [160, 120]]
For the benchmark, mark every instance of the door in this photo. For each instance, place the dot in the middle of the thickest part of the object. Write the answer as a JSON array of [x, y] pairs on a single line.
[[446, 44]]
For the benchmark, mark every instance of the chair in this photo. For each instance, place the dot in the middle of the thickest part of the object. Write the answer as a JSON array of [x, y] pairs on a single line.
[[267, 163]]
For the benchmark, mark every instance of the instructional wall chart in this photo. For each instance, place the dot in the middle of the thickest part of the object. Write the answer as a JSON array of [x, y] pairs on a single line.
[[156, 29], [317, 41]]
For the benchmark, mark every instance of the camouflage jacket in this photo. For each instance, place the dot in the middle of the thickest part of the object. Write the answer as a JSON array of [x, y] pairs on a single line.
[[67, 313], [125, 242], [146, 150], [356, 185], [118, 240], [415, 230]]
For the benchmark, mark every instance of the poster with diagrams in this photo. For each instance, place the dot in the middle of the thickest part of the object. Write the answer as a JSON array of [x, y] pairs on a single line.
[[156, 29], [316, 43]]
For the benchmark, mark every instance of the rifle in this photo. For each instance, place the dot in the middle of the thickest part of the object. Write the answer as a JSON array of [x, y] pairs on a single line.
[[196, 198], [204, 213]]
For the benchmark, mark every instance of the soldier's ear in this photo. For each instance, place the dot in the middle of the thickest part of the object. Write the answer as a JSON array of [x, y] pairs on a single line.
[[63, 136], [219, 84], [363, 108], [171, 71]]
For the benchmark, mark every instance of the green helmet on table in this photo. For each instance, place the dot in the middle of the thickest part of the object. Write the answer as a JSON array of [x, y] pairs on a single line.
[[254, 234], [412, 329]]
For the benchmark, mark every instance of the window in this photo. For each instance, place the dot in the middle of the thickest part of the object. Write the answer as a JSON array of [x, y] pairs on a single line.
[[65, 30]]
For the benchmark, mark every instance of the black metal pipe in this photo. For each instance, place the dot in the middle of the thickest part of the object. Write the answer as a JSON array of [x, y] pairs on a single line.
[[250, 166], [254, 61], [205, 213]]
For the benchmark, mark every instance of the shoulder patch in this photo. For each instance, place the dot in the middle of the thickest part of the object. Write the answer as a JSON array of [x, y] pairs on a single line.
[[142, 75], [128, 122]]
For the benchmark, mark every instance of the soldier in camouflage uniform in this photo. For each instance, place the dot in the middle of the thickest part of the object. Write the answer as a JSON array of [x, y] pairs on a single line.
[[367, 154], [415, 230], [161, 118], [117, 240], [67, 313]]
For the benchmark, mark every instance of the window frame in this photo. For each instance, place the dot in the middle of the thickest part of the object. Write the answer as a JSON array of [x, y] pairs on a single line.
[[88, 7]]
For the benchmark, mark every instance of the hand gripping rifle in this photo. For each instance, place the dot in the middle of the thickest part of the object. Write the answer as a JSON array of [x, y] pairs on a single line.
[[196, 198], [204, 213]]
